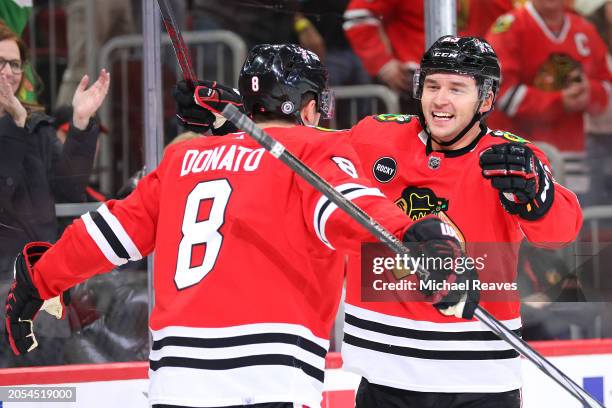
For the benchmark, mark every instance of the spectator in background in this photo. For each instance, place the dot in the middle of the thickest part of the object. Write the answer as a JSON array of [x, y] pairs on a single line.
[[599, 128], [389, 38], [112, 18], [61, 122], [15, 14], [35, 170], [475, 17], [547, 88], [343, 65]]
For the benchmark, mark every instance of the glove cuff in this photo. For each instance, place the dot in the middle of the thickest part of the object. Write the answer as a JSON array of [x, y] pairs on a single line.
[[540, 204], [30, 254]]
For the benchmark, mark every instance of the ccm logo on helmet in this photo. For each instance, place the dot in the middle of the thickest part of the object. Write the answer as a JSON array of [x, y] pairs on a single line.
[[445, 54]]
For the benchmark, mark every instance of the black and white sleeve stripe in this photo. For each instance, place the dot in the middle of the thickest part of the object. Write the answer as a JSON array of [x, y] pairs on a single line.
[[325, 208], [512, 99], [110, 236], [357, 17]]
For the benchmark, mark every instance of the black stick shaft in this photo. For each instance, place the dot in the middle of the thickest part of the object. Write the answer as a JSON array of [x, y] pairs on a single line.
[[181, 50], [536, 358], [241, 121]]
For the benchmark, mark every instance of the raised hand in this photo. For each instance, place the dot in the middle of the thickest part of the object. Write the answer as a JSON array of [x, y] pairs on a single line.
[[86, 101], [10, 104], [525, 185]]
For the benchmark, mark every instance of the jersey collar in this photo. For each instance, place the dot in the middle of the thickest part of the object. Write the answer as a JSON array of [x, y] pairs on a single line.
[[459, 152], [540, 22]]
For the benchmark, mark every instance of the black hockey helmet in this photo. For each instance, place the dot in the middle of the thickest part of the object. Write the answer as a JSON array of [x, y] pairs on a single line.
[[275, 77], [464, 56]]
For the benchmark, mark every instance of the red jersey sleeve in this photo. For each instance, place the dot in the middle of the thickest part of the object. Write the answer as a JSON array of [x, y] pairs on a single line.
[[561, 224], [337, 162], [517, 99], [600, 77], [364, 28], [117, 232]]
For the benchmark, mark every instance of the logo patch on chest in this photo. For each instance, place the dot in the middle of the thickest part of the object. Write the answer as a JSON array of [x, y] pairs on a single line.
[[384, 169], [434, 162], [419, 202]]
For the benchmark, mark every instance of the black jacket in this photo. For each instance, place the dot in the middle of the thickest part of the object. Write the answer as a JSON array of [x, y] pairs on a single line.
[[36, 171]]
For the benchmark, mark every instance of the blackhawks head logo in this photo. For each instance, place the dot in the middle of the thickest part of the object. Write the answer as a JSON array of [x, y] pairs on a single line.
[[419, 202], [557, 73]]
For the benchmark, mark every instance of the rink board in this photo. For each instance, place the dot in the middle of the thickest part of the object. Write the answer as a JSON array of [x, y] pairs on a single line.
[[587, 362]]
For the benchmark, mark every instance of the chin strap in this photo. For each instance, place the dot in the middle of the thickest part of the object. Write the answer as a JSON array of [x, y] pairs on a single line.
[[478, 116]]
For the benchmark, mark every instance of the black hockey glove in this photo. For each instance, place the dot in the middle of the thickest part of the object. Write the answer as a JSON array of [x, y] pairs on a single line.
[[525, 187], [199, 109], [23, 301], [436, 240]]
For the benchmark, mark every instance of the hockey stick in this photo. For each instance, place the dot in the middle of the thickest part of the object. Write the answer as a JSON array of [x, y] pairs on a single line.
[[182, 53], [241, 121]]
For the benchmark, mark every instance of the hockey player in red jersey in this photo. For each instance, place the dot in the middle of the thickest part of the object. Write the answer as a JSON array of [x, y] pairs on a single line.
[[546, 89], [247, 280], [494, 187]]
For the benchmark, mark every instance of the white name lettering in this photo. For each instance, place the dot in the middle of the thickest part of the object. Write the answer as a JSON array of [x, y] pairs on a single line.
[[227, 158]]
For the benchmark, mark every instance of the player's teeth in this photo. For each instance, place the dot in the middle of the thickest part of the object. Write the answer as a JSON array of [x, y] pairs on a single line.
[[443, 115]]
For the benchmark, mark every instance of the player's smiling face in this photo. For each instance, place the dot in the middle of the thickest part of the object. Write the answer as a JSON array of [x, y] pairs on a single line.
[[449, 101]]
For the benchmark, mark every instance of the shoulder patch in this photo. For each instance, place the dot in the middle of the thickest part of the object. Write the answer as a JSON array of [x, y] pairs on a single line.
[[393, 117], [502, 24], [509, 136]]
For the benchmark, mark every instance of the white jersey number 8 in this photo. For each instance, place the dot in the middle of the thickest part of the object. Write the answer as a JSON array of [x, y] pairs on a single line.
[[201, 232], [255, 83]]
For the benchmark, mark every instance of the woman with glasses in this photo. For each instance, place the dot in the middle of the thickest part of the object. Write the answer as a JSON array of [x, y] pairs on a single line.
[[36, 171]]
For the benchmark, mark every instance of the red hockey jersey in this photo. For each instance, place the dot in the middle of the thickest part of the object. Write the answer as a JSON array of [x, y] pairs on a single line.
[[246, 280], [532, 60], [411, 345], [402, 23], [474, 17]]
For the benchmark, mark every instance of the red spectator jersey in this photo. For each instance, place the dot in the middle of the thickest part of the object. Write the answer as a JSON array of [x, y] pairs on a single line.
[[247, 283], [411, 345], [401, 21], [474, 17], [533, 61]]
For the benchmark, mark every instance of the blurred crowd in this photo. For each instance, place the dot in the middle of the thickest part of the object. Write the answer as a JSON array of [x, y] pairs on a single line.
[[556, 91]]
